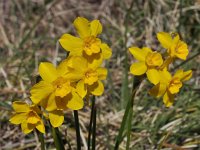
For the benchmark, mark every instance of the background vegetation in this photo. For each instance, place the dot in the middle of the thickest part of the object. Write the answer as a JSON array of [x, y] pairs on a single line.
[[29, 30]]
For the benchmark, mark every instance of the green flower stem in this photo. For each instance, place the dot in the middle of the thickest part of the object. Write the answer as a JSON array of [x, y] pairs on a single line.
[[78, 137], [129, 106], [41, 139], [91, 122], [94, 129], [57, 139]]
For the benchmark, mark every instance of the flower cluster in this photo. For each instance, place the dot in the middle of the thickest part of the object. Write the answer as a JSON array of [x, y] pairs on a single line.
[[156, 67], [65, 86]]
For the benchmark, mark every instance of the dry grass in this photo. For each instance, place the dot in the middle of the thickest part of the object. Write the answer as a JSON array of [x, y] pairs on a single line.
[[29, 30]]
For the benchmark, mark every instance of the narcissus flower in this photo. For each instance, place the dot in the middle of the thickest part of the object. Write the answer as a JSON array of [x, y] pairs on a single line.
[[148, 62], [27, 116], [88, 75], [88, 45], [175, 47], [55, 91], [170, 85]]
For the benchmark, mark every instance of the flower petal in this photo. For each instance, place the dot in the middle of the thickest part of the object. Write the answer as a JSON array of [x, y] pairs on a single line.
[[182, 50], [137, 53], [41, 91], [168, 99], [20, 106], [82, 26], [76, 102], [48, 71], [18, 118], [165, 39], [51, 103], [106, 51], [72, 44], [40, 126], [81, 88], [27, 127], [153, 76], [56, 118], [96, 27], [158, 90], [96, 89], [102, 73], [138, 68]]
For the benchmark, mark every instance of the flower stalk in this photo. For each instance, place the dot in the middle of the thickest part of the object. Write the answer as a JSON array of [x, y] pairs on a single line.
[[78, 137]]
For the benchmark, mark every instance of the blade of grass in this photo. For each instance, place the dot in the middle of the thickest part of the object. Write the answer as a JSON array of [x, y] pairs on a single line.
[[129, 128], [78, 136], [136, 83]]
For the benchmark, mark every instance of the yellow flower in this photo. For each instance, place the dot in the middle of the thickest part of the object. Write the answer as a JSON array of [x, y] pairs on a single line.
[[175, 47], [55, 91], [148, 62], [169, 86], [27, 116], [88, 45], [88, 75]]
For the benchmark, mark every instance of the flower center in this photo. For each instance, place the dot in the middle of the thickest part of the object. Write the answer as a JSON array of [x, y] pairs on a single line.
[[33, 118], [154, 59], [91, 76], [174, 85], [91, 45], [62, 87]]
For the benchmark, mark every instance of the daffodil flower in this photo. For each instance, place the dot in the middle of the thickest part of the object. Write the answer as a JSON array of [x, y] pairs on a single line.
[[88, 75], [175, 47], [27, 116], [148, 62], [170, 85], [88, 45], [55, 92]]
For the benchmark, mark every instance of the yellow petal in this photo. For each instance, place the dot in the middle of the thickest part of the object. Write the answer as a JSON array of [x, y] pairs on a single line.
[[168, 99], [186, 75], [181, 50], [138, 68], [106, 51], [96, 89], [72, 44], [165, 39], [61, 102], [27, 127], [165, 76], [96, 27], [82, 26], [40, 127], [19, 106], [77, 63], [48, 71], [138, 53], [153, 76], [51, 103], [102, 73], [81, 88], [41, 91], [33, 118], [158, 90], [18, 118], [175, 85], [56, 118], [154, 59], [62, 68], [76, 102]]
